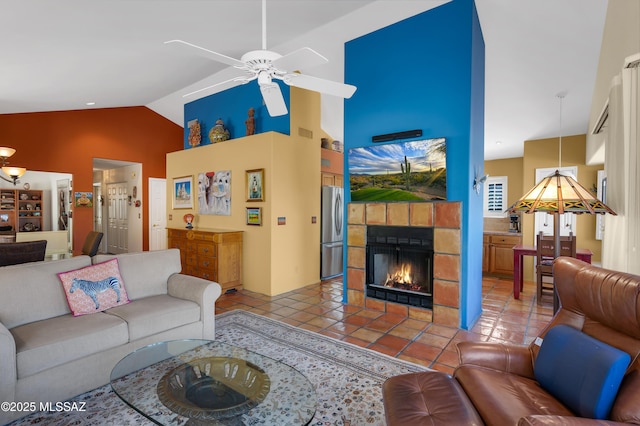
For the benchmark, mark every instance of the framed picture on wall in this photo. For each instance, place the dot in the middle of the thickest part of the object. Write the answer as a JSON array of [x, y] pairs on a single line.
[[84, 199], [255, 185], [183, 192], [254, 215], [214, 192]]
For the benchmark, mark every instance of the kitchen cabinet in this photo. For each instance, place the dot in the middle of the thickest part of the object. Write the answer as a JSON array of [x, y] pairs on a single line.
[[332, 179], [214, 255], [497, 251]]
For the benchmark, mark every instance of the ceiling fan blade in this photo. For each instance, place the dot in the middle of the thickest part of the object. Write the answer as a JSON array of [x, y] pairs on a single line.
[[219, 57], [273, 99], [223, 85], [299, 60], [320, 85]]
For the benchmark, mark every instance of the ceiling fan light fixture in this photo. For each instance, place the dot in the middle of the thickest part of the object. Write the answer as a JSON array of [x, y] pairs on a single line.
[[14, 172], [6, 152], [264, 78]]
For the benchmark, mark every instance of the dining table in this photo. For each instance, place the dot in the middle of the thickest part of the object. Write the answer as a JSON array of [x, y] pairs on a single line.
[[521, 250]]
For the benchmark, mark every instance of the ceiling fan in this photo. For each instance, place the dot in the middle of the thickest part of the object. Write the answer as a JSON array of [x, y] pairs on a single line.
[[265, 66]]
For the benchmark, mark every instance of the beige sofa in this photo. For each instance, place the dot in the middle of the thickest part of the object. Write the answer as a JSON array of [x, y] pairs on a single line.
[[48, 355]]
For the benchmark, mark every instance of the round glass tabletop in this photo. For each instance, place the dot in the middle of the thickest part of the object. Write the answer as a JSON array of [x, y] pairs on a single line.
[[209, 382]]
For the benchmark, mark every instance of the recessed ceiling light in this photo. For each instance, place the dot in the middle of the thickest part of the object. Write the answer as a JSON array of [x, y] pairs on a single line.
[[90, 103], [498, 142]]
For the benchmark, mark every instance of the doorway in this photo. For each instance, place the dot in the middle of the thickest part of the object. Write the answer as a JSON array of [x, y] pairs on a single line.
[[119, 216]]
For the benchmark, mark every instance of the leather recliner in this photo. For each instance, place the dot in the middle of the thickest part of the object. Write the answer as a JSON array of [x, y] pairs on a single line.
[[497, 379]]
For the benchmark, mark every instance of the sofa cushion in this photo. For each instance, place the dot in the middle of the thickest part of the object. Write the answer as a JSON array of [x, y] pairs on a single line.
[[580, 371], [94, 288], [502, 398], [32, 292], [44, 344], [154, 314], [146, 273]]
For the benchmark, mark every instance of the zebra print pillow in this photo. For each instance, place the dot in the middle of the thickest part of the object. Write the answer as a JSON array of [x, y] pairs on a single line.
[[94, 288]]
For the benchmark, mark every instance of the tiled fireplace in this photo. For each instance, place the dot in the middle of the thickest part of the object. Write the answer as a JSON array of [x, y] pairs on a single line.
[[444, 219]]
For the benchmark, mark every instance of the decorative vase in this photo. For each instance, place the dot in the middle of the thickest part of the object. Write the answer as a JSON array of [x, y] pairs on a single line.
[[218, 133]]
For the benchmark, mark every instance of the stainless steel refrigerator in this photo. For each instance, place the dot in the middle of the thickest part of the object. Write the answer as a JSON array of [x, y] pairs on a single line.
[[332, 232]]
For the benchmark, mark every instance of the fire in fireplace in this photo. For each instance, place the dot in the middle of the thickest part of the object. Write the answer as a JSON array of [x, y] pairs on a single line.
[[399, 264]]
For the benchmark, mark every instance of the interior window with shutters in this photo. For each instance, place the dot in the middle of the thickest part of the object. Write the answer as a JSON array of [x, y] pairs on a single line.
[[495, 196]]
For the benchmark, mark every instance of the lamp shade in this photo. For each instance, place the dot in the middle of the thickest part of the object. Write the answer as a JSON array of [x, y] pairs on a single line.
[[559, 193], [14, 172], [6, 152]]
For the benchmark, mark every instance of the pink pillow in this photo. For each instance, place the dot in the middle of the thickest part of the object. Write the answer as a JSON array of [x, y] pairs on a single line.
[[94, 288]]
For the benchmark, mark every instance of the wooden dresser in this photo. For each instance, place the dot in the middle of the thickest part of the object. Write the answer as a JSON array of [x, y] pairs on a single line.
[[212, 254]]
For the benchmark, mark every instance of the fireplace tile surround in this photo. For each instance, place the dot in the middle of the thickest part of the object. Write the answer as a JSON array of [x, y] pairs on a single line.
[[444, 217]]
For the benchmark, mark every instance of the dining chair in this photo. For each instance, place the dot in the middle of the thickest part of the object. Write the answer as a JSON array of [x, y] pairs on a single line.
[[545, 254], [92, 243]]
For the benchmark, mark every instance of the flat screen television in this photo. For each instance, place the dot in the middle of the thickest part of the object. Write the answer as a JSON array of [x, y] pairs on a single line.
[[404, 171]]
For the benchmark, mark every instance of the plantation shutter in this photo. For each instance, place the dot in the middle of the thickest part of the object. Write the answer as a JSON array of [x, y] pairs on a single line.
[[495, 196]]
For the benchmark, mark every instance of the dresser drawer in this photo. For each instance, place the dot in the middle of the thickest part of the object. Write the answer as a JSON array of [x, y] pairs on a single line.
[[206, 250], [207, 263], [206, 274]]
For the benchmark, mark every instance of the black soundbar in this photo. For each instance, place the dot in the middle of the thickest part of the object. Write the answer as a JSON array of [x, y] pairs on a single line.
[[395, 136]]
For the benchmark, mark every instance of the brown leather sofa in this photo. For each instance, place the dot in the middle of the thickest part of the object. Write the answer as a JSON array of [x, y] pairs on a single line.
[[497, 379]]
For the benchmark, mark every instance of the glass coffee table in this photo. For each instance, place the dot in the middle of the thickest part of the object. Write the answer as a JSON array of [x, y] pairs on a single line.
[[197, 382]]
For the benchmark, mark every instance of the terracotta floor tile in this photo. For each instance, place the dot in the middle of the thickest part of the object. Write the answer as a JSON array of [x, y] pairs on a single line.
[[404, 332], [355, 341], [448, 358], [368, 335], [433, 340], [384, 349], [393, 342], [322, 322], [425, 362], [303, 316], [319, 308], [343, 328], [357, 320], [379, 325], [420, 350]]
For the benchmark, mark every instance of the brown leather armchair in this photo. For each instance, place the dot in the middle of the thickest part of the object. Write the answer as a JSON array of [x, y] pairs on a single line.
[[498, 378]]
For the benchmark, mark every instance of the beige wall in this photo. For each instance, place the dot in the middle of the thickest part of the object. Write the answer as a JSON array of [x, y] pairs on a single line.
[[621, 39], [276, 258], [512, 168], [543, 153]]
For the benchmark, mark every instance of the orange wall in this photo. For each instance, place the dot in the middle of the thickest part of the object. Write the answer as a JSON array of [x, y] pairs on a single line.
[[68, 141]]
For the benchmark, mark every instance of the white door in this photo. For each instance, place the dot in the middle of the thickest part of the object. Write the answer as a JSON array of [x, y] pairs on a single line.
[[157, 214], [544, 221], [97, 213], [118, 221]]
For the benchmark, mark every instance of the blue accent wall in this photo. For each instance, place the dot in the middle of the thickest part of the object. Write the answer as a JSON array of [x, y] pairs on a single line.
[[231, 106], [427, 72]]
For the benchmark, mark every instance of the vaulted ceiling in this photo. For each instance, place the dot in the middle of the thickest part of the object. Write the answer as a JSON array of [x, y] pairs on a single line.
[[61, 55]]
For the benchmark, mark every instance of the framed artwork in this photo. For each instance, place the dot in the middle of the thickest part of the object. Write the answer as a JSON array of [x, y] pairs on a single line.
[[255, 185], [83, 199], [214, 192], [183, 192], [254, 215]]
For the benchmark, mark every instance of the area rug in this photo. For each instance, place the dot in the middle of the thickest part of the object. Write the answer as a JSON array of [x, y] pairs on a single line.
[[348, 379]]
